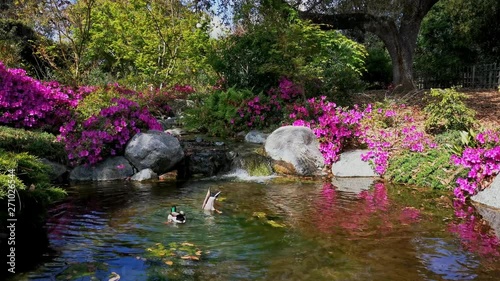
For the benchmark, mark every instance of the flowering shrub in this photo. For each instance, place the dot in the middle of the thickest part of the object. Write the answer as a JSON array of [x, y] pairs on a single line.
[[28, 103], [333, 125], [388, 130], [482, 162], [106, 134], [159, 101], [266, 111]]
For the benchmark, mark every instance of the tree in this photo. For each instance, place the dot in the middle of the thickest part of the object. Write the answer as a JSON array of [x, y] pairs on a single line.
[[458, 33], [395, 22], [149, 42]]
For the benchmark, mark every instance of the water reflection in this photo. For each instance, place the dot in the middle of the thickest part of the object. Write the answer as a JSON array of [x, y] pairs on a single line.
[[317, 233]]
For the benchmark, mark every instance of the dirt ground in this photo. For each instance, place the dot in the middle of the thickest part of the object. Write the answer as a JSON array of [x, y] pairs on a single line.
[[486, 103]]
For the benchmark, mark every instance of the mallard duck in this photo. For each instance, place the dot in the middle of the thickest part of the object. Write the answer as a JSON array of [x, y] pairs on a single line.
[[177, 217], [209, 202]]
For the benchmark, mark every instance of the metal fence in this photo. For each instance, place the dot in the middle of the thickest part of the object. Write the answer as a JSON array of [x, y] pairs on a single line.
[[484, 76]]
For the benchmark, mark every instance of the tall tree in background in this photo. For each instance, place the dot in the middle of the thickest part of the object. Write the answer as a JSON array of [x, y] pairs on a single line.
[[395, 22], [149, 42], [458, 33]]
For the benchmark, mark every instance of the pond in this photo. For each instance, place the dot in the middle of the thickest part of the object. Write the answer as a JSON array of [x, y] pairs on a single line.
[[266, 231]]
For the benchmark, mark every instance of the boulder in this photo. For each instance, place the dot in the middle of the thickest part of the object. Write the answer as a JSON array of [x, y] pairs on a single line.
[[256, 137], [143, 175], [203, 158], [351, 165], [489, 196], [114, 168], [155, 150], [297, 146], [82, 173], [58, 172]]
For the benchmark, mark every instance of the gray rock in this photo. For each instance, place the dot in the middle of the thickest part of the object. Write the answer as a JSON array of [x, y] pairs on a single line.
[[168, 123], [297, 146], [489, 196], [114, 168], [176, 132], [143, 175], [256, 137], [351, 165], [155, 150], [82, 173], [56, 170]]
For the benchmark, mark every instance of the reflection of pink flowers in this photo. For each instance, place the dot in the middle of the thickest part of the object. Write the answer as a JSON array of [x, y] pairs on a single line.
[[475, 236], [121, 166], [371, 209]]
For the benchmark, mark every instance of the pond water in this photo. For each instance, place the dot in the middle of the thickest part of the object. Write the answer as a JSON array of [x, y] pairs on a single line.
[[266, 231]]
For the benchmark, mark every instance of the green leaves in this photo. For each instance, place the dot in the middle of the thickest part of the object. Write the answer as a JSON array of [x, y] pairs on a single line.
[[446, 110]]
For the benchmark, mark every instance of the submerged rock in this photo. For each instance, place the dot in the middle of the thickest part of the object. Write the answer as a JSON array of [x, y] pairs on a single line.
[[297, 146], [351, 165], [155, 150]]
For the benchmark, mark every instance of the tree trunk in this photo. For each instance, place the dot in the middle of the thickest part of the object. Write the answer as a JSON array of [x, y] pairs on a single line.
[[399, 36]]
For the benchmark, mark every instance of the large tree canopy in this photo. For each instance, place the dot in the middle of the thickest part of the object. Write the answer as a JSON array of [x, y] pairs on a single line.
[[395, 22]]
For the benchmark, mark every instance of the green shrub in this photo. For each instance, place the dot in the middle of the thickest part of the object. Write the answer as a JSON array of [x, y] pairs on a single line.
[[432, 168], [446, 110], [214, 113], [40, 144], [29, 173]]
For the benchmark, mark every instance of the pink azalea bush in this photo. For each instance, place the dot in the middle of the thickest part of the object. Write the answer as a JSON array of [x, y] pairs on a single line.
[[333, 125], [267, 110], [482, 163], [29, 103], [106, 134], [387, 130]]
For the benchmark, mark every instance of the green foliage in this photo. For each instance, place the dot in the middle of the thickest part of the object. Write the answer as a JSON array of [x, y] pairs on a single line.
[[214, 112], [146, 43], [30, 173], [432, 168], [378, 72], [457, 33], [281, 45], [446, 110], [40, 144]]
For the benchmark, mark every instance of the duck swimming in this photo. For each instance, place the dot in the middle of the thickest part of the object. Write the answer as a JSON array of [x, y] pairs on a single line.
[[209, 202], [177, 217]]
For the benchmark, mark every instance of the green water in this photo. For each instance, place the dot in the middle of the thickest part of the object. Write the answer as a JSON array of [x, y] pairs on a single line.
[[266, 231]]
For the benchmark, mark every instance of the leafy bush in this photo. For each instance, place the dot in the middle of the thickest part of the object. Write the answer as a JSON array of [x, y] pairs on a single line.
[[324, 62], [107, 133], [446, 110], [28, 172], [431, 168], [215, 113], [40, 144]]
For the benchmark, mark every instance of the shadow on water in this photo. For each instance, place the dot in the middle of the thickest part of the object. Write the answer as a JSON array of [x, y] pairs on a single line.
[[267, 231]]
